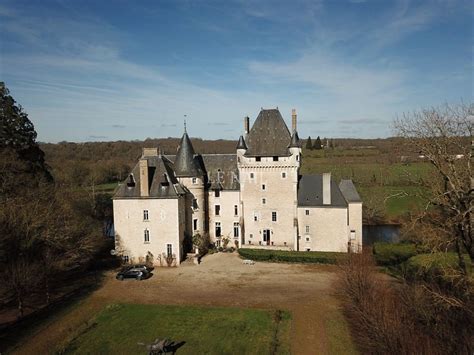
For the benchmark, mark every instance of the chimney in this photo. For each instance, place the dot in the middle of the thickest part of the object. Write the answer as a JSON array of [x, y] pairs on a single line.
[[150, 152], [293, 120], [246, 124], [326, 188], [144, 189]]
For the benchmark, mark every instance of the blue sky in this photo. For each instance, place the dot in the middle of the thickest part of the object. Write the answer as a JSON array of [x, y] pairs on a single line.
[[110, 70]]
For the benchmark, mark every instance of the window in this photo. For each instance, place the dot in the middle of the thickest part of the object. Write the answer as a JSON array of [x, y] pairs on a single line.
[[195, 224], [307, 229], [353, 234], [145, 215], [255, 216], [236, 229], [258, 159], [264, 201], [236, 210], [283, 175], [218, 243], [263, 186], [274, 216], [169, 250], [217, 193], [297, 158], [217, 209], [195, 204], [275, 158], [125, 259], [252, 175], [218, 229], [194, 180], [251, 236], [307, 212], [146, 236], [308, 249], [307, 239]]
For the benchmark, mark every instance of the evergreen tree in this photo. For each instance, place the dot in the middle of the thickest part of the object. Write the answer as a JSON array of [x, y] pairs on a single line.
[[309, 144], [317, 144], [18, 146]]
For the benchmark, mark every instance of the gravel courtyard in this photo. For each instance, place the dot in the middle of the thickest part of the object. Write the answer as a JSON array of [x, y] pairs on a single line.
[[308, 291]]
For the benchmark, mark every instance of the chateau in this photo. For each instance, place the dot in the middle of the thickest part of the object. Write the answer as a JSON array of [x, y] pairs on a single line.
[[255, 197]]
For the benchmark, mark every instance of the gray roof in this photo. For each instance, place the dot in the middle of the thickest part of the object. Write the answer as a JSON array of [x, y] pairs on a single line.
[[310, 192], [269, 135], [349, 191], [241, 144], [186, 163], [295, 140], [162, 181], [221, 170]]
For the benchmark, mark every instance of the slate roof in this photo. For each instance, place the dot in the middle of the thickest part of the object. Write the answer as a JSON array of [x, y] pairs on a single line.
[[349, 191], [221, 170], [162, 181], [295, 140], [186, 163], [269, 135], [241, 144], [310, 192]]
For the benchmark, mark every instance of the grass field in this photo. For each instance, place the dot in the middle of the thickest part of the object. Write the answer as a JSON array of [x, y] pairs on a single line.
[[119, 327]]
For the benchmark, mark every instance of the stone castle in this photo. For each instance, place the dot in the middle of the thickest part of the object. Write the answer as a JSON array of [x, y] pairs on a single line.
[[255, 198]]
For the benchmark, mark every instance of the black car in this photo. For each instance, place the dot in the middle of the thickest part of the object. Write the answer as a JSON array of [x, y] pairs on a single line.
[[133, 273]]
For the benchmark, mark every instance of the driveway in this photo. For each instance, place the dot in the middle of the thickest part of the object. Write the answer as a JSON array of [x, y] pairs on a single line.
[[222, 279]]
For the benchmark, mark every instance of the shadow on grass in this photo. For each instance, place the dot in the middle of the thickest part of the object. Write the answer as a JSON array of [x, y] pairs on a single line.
[[14, 333]]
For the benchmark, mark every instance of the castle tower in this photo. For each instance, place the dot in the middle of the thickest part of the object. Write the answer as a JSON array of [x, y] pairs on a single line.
[[189, 172], [268, 161]]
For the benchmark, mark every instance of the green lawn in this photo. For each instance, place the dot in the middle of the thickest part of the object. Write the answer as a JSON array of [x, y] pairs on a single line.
[[119, 327]]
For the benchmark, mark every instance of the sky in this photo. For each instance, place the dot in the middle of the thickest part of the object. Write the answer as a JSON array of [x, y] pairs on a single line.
[[125, 70]]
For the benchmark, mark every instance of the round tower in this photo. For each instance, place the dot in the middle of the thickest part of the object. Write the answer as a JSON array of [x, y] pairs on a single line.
[[189, 171]]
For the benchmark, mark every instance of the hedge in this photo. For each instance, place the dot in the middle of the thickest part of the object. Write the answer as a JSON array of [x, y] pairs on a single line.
[[388, 254], [292, 256], [434, 265]]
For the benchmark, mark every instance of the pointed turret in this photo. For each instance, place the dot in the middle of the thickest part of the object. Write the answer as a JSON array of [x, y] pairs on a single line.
[[295, 140], [241, 144], [185, 164]]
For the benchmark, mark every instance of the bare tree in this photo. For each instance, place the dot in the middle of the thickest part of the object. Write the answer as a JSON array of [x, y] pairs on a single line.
[[444, 137]]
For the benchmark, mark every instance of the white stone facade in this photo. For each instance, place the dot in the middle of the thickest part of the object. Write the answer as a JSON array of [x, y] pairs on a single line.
[[254, 200]]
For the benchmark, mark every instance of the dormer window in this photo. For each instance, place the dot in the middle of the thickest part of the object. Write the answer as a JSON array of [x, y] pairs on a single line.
[[275, 158], [131, 181], [258, 158]]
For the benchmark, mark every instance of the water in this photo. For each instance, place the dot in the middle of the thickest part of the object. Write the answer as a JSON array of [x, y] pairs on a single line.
[[389, 233]]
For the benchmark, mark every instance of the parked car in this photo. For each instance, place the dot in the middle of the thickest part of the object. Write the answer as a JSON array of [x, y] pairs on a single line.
[[133, 273]]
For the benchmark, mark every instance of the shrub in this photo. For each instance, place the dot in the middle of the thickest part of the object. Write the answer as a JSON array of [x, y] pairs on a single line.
[[291, 256], [435, 266], [387, 254]]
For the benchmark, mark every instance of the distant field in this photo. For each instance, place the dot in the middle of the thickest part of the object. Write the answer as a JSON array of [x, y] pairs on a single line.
[[118, 329]]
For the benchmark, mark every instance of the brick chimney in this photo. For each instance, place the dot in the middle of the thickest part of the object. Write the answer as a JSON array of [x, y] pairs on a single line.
[[246, 124], [144, 188], [293, 120], [326, 188]]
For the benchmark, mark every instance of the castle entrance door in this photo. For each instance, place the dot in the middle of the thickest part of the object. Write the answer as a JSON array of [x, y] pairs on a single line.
[[266, 236]]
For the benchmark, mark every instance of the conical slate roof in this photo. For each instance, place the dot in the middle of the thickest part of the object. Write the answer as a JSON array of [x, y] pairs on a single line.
[[241, 144], [269, 135], [186, 164], [295, 140]]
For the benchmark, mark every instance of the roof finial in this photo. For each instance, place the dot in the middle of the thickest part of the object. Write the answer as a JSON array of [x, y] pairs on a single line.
[[185, 123]]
